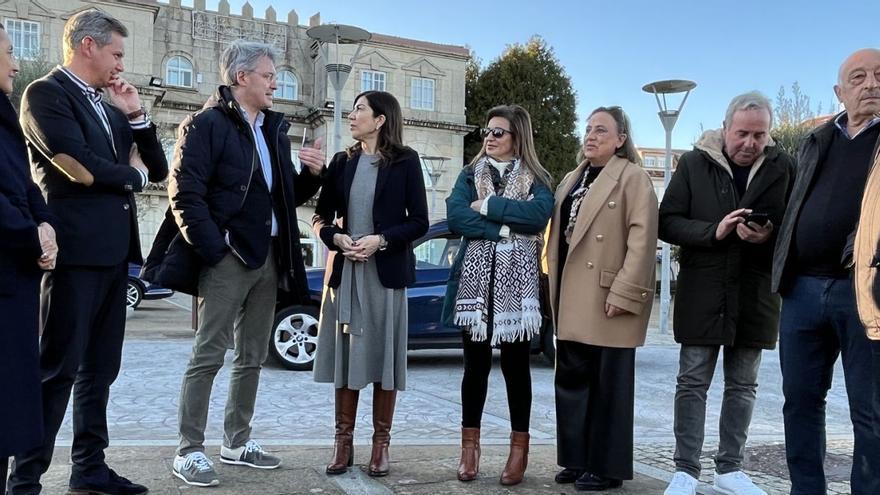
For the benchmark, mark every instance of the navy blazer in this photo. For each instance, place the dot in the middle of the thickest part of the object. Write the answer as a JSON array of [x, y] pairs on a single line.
[[400, 213], [22, 208], [97, 224]]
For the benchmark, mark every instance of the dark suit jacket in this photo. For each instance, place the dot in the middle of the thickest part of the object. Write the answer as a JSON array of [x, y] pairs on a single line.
[[22, 208], [400, 213], [97, 224]]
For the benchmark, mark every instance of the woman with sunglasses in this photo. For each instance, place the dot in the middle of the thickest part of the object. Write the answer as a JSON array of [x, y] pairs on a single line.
[[601, 256], [500, 205], [27, 247], [376, 188]]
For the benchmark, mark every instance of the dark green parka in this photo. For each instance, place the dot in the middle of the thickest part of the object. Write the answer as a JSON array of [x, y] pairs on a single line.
[[722, 294]]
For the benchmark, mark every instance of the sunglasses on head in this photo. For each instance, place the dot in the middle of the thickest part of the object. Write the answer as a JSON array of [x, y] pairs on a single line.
[[496, 132]]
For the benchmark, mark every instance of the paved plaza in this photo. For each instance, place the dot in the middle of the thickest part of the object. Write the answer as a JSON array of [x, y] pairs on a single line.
[[294, 418]]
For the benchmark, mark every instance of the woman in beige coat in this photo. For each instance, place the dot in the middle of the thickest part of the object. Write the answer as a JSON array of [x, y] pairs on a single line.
[[601, 256]]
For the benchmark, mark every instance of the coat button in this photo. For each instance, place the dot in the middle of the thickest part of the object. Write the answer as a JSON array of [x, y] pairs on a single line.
[[268, 223], [644, 295], [600, 237], [590, 265], [612, 205], [125, 206], [243, 188]]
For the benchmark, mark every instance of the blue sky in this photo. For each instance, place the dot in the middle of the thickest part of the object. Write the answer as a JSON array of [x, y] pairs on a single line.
[[611, 48]]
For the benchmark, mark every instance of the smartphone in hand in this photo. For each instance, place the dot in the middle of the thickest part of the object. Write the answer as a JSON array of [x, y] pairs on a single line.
[[757, 218]]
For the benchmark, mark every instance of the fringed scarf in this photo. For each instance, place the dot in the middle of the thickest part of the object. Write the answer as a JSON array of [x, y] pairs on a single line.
[[515, 308]]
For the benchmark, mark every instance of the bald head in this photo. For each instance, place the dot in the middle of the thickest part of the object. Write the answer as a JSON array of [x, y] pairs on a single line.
[[858, 86]]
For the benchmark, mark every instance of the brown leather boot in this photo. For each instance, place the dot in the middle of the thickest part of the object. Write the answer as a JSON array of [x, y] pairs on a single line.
[[383, 414], [469, 465], [517, 460], [346, 412]]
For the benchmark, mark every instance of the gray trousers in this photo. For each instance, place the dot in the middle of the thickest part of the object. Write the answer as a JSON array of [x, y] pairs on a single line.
[[696, 367], [233, 301]]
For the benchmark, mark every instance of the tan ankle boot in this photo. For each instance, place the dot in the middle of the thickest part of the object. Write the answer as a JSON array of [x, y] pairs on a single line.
[[517, 460], [469, 465], [346, 412], [383, 414]]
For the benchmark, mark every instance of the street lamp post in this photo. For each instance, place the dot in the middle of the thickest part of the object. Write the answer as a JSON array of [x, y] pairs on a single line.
[[337, 34], [435, 165], [668, 118]]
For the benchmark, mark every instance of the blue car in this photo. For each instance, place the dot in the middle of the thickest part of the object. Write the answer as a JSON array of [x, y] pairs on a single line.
[[138, 290], [295, 332]]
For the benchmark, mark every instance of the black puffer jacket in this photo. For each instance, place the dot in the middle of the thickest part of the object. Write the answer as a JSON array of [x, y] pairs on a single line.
[[216, 188], [723, 293]]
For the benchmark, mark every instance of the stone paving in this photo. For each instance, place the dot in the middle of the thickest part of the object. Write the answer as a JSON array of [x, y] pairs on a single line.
[[294, 411]]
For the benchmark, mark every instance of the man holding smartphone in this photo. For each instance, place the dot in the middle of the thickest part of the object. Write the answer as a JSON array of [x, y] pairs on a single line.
[[721, 207]]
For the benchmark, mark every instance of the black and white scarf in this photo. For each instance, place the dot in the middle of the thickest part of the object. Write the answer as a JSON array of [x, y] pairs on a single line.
[[515, 308]]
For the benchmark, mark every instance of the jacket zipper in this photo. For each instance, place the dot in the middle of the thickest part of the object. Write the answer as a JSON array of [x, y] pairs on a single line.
[[284, 198]]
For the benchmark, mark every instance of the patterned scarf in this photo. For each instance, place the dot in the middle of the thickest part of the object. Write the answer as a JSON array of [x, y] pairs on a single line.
[[577, 197], [515, 308]]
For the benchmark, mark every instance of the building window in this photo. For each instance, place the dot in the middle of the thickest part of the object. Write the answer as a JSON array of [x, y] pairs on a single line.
[[650, 161], [422, 93], [179, 72], [287, 86], [372, 80], [25, 38]]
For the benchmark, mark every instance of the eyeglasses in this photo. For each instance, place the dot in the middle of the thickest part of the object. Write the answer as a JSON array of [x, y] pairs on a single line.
[[269, 76], [496, 132]]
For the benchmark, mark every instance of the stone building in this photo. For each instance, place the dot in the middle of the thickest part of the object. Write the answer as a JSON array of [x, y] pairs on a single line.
[[172, 57]]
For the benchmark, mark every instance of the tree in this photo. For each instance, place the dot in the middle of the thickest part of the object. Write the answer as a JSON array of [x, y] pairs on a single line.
[[794, 118], [529, 75], [29, 71]]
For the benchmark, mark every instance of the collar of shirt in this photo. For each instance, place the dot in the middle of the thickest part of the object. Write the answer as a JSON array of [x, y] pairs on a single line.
[[842, 120], [95, 95]]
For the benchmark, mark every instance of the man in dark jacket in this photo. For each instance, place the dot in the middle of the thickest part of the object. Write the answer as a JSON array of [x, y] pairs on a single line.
[[66, 114], [811, 270], [721, 207], [234, 196]]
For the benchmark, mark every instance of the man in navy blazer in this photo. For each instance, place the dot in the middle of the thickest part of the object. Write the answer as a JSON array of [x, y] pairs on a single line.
[[88, 157]]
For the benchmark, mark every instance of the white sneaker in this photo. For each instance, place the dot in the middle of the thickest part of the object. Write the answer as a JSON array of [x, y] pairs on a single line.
[[195, 469], [682, 484], [736, 483], [250, 454]]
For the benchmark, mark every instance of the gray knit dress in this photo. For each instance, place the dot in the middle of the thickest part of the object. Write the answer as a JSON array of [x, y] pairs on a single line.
[[362, 335]]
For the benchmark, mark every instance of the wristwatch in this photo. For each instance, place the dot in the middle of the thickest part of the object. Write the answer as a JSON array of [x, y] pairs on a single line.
[[382, 243], [137, 113]]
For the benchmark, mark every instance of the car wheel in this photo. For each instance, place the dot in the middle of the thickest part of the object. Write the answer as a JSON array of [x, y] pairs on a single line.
[[295, 337], [549, 345], [134, 294]]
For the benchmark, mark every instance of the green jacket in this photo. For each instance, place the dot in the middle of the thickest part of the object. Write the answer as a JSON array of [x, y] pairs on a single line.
[[522, 217]]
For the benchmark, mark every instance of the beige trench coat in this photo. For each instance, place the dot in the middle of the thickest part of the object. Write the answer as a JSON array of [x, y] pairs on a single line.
[[867, 254], [611, 259]]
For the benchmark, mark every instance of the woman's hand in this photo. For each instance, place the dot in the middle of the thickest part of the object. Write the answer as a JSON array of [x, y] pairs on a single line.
[[365, 247], [611, 310], [477, 205]]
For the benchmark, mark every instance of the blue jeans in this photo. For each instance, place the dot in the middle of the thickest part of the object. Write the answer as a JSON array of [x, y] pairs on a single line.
[[819, 322], [696, 367]]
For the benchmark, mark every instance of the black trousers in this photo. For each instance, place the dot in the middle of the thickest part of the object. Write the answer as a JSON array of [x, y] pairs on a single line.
[[595, 390], [83, 320], [475, 382]]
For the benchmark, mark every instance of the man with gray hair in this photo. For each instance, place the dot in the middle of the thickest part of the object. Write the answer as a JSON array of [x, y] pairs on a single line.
[[88, 157], [721, 208], [812, 270], [234, 193]]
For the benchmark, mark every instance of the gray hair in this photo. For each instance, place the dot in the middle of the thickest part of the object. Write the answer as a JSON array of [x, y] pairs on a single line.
[[91, 23], [243, 56], [753, 100]]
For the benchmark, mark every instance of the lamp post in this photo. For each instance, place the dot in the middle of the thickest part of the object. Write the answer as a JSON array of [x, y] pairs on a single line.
[[668, 117], [337, 34], [435, 165]]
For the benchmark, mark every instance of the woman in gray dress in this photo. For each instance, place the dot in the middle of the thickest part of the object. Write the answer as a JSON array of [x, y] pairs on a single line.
[[376, 192]]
